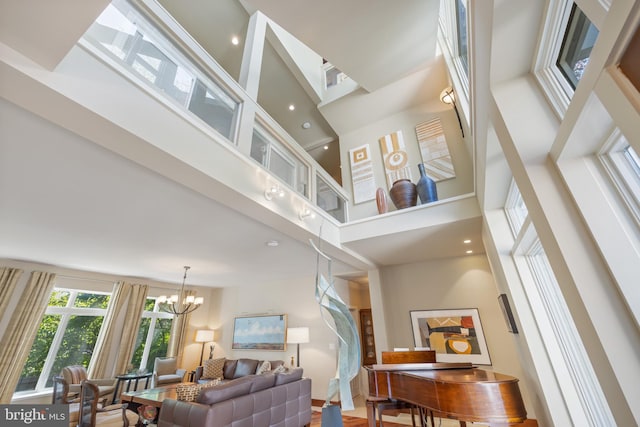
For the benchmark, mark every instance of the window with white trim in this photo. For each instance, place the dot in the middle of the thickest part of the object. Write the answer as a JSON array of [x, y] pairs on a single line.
[[153, 336], [565, 46], [66, 336], [623, 166], [583, 396]]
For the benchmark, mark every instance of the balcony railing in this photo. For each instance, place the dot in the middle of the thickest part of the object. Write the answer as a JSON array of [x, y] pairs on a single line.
[[127, 37]]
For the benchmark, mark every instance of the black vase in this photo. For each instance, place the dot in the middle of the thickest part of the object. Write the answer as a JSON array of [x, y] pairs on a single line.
[[426, 187]]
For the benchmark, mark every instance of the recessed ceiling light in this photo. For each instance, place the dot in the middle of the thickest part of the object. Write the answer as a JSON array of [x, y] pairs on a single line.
[[235, 40], [292, 107], [272, 243], [326, 147], [467, 241], [469, 252]]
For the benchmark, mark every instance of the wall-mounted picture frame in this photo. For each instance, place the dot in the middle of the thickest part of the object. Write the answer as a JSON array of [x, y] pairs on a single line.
[[455, 335], [261, 332], [508, 314]]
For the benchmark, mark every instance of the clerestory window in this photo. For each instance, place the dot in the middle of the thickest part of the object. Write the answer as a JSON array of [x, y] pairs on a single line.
[[579, 38]]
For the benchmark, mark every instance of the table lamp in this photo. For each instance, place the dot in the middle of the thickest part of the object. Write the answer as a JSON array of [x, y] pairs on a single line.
[[204, 336], [297, 336]]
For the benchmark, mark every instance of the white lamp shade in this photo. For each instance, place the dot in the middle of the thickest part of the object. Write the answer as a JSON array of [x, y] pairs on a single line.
[[297, 335], [205, 335]]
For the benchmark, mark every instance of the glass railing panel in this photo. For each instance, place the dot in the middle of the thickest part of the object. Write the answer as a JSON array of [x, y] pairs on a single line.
[[330, 200], [129, 39], [267, 150]]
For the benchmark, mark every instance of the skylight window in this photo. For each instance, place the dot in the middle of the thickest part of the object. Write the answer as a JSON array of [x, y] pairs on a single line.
[[579, 39]]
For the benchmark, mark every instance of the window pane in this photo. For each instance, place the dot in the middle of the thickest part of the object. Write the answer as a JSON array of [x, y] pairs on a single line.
[[39, 351], [149, 304], [461, 20], [87, 300], [59, 298], [259, 148], [576, 47], [77, 343], [160, 342], [330, 201], [140, 342], [216, 109]]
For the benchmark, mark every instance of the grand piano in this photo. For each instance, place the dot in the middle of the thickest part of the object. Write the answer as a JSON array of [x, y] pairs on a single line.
[[454, 390]]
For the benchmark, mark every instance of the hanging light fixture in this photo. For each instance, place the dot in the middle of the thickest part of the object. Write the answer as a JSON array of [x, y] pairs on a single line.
[[189, 304]]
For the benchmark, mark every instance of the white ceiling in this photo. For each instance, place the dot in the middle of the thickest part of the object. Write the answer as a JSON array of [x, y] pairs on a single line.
[[68, 202]]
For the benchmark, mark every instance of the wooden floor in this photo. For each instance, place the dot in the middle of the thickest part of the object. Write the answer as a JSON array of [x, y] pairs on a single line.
[[316, 421]]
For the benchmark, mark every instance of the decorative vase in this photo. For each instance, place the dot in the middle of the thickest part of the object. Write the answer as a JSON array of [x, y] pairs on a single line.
[[403, 194], [426, 187], [381, 201]]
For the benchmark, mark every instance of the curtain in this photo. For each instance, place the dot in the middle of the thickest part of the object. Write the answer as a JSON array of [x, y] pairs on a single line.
[[120, 325], [8, 280], [179, 328], [21, 332]]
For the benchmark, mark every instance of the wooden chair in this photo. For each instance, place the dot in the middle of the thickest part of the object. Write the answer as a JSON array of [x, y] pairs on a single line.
[[379, 405], [61, 396], [109, 416]]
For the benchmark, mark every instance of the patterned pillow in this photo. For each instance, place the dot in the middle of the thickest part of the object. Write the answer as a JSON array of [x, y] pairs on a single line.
[[187, 392], [213, 368], [280, 369], [264, 367]]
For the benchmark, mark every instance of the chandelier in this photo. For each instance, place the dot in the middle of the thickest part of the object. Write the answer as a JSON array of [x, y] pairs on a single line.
[[189, 304]]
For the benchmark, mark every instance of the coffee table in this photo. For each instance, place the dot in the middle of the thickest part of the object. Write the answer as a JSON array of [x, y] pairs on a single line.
[[152, 396]]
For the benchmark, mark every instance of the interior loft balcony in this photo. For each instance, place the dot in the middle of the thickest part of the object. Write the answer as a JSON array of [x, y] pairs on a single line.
[[188, 119]]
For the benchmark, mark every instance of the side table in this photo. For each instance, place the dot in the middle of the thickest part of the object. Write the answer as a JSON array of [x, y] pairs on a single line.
[[129, 378]]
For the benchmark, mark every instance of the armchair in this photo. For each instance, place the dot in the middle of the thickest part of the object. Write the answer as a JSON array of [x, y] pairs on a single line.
[[91, 415], [75, 374], [165, 371]]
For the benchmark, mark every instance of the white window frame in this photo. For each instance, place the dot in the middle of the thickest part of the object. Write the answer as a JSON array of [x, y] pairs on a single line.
[[622, 168], [154, 316], [575, 377], [65, 313]]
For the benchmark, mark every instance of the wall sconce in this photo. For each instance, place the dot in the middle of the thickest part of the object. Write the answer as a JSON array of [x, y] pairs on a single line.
[[273, 191], [449, 97], [306, 212]]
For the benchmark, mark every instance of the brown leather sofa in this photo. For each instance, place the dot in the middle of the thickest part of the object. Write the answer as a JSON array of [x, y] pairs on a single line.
[[272, 399]]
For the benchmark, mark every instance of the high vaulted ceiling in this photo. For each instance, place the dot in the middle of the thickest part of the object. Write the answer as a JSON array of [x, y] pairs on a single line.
[[67, 202]]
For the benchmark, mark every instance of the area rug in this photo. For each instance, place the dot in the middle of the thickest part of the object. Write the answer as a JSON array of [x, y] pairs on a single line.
[[316, 421]]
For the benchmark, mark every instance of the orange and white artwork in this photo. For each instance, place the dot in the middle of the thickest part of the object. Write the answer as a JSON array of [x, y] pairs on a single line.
[[394, 155]]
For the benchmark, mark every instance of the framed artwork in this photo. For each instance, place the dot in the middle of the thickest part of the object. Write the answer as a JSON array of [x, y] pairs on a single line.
[[364, 183], [456, 335], [434, 150], [395, 157], [264, 332], [507, 313]]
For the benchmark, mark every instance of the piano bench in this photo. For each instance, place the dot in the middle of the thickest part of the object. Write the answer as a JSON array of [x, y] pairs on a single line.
[[380, 404]]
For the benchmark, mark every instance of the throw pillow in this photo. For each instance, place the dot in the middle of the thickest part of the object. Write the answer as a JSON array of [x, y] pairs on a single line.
[[212, 368], [280, 369], [187, 392], [264, 367]]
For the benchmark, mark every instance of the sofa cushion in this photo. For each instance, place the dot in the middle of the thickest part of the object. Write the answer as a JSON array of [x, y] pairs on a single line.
[[289, 376], [262, 382], [245, 367], [226, 391], [264, 366], [213, 368], [276, 363], [229, 368]]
